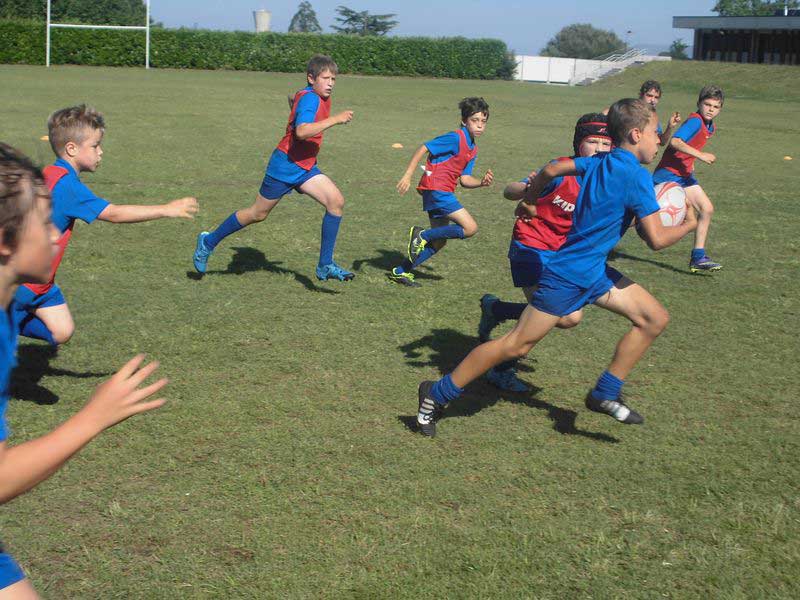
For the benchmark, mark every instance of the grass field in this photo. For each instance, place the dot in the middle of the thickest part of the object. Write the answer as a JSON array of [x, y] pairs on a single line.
[[282, 465]]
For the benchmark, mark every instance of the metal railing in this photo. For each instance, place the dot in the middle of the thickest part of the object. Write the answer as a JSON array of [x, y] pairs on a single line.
[[614, 61]]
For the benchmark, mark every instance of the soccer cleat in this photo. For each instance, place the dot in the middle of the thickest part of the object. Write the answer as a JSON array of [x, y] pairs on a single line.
[[429, 411], [614, 408], [201, 253], [415, 243], [334, 271], [506, 380], [704, 264], [405, 278], [488, 321]]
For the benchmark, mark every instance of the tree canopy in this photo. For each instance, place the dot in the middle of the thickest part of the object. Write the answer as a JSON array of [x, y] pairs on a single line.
[[677, 50], [583, 41], [744, 8], [363, 23], [305, 20], [95, 12]]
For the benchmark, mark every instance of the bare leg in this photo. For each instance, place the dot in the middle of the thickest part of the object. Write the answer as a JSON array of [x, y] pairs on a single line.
[[22, 590], [257, 212], [705, 210], [58, 320]]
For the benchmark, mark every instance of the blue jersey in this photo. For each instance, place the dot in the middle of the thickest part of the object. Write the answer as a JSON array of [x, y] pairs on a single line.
[[614, 190], [9, 332], [280, 166], [73, 200]]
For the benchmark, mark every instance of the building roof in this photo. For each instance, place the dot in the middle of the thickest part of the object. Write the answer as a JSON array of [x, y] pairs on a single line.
[[763, 23]]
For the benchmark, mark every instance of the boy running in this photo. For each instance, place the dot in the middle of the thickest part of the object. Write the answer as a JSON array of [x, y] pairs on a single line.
[[293, 166], [451, 159], [650, 92], [615, 189], [677, 165]]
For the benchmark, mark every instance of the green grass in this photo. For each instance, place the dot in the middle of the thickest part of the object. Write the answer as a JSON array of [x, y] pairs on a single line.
[[282, 467]]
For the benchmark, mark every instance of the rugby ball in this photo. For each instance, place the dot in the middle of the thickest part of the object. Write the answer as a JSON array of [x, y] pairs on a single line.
[[672, 202]]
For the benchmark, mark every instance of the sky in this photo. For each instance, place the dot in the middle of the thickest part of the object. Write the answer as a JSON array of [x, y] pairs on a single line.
[[525, 26]]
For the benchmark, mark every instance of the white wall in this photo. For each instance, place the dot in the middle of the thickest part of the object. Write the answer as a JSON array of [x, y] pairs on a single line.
[[548, 69]]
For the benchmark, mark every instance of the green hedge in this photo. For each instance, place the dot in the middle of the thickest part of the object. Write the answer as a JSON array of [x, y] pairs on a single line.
[[23, 42]]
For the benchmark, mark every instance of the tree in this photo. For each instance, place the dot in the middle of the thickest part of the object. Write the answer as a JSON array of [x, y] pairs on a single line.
[[305, 20], [583, 41], [745, 8], [363, 23], [677, 50], [96, 12]]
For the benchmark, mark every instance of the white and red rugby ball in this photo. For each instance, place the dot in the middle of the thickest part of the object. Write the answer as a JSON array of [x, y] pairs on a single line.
[[672, 200]]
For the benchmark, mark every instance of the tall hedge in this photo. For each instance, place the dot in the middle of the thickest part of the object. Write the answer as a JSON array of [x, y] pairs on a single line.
[[23, 42]]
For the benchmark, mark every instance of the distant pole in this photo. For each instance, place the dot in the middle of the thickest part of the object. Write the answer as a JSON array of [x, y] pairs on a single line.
[[47, 61], [147, 38], [627, 39]]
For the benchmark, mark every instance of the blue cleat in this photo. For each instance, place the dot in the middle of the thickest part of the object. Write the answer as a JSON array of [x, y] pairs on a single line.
[[506, 380], [704, 264], [488, 321], [334, 271], [201, 253]]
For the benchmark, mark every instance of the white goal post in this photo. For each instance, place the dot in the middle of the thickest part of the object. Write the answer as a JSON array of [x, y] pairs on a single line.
[[145, 28]]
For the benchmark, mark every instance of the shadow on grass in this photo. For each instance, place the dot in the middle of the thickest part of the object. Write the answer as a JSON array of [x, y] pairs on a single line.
[[615, 255], [388, 259], [448, 347], [246, 260], [33, 363]]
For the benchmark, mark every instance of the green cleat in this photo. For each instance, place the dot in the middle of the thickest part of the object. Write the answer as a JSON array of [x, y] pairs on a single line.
[[405, 278], [415, 243]]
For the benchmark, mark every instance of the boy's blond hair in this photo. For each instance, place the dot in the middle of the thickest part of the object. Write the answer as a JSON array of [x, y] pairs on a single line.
[[627, 114], [72, 125], [21, 182]]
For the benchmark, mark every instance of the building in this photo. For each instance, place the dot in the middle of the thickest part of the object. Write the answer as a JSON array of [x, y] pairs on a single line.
[[771, 40]]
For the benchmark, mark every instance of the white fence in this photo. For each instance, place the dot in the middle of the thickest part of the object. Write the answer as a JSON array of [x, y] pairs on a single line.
[[548, 69]]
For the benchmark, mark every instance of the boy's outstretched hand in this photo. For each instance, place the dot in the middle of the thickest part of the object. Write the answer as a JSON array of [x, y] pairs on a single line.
[[404, 184], [344, 117], [121, 397], [674, 119], [185, 208], [707, 158], [487, 179]]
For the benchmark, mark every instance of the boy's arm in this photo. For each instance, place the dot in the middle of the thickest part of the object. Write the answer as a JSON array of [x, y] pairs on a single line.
[[681, 146], [471, 182], [560, 168], [516, 189], [657, 236], [671, 124], [405, 180], [135, 213], [309, 130], [25, 465]]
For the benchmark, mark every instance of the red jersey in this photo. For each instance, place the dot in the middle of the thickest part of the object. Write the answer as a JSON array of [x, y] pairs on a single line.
[[553, 220], [52, 175], [442, 176], [680, 163], [304, 152]]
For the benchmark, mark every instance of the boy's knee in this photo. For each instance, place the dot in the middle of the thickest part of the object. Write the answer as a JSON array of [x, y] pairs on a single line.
[[570, 320], [63, 333], [516, 347], [470, 230], [656, 322], [335, 204]]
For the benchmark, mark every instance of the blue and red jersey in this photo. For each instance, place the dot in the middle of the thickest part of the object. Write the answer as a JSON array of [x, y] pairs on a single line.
[[695, 132], [553, 220], [9, 333], [71, 200], [293, 158], [449, 157]]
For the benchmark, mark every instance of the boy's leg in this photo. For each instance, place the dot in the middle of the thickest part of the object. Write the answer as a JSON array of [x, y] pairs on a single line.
[[705, 209], [424, 243], [649, 318], [422, 251], [322, 189], [21, 590], [207, 241], [43, 316], [532, 327], [57, 320]]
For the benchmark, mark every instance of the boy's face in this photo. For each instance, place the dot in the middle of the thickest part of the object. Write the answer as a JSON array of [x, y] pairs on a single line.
[[652, 97], [709, 108], [36, 244], [86, 156], [592, 145], [476, 124], [323, 83], [646, 148]]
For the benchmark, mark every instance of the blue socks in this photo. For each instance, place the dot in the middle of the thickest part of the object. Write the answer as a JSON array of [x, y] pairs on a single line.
[[608, 387], [34, 327], [330, 229], [508, 311], [446, 232], [407, 265], [444, 390], [698, 253], [228, 226]]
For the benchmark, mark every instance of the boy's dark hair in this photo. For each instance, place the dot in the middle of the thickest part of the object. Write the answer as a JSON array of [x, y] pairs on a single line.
[[470, 106], [71, 124], [627, 114], [650, 84], [589, 125], [20, 183], [711, 91], [319, 63]]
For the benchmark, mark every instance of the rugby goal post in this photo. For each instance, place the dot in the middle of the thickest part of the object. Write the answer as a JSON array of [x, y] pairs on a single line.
[[145, 28]]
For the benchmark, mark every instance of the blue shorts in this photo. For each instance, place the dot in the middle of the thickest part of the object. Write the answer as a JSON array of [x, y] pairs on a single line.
[[662, 175], [275, 189], [439, 204], [10, 573], [559, 297], [26, 301], [527, 263]]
